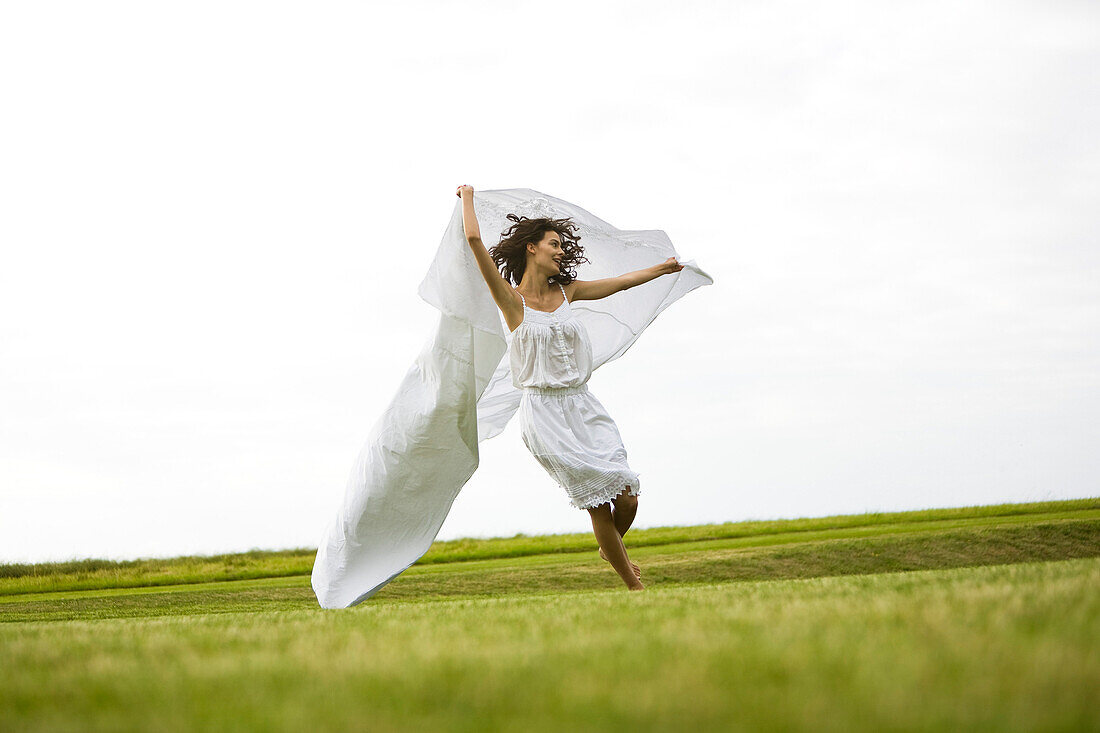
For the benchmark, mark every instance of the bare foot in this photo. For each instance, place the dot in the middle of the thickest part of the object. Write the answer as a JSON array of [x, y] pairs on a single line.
[[637, 570]]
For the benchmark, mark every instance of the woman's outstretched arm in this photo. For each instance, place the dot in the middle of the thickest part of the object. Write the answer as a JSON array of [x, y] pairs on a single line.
[[596, 289], [502, 292]]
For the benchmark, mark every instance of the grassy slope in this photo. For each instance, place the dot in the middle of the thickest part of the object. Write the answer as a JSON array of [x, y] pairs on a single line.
[[1005, 648], [757, 626], [93, 573], [831, 546]]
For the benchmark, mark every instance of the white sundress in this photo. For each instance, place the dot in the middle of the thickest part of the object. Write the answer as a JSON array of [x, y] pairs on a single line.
[[565, 427]]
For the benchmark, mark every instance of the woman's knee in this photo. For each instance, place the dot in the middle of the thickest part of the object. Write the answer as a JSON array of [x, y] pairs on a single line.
[[626, 500], [603, 511]]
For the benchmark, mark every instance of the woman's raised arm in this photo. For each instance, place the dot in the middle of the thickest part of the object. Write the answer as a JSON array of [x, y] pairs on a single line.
[[503, 293]]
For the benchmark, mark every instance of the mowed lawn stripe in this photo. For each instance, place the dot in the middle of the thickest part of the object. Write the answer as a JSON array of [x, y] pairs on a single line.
[[15, 579], [663, 566], [643, 552]]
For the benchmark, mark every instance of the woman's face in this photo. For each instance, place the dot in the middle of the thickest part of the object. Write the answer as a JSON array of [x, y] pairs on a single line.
[[548, 253]]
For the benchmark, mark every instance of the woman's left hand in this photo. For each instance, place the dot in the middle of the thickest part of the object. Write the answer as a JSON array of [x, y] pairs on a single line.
[[669, 266]]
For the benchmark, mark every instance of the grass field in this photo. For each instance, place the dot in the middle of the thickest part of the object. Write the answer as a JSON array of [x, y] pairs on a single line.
[[981, 618]]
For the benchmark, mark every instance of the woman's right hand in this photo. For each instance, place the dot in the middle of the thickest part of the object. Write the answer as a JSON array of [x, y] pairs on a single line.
[[463, 189]]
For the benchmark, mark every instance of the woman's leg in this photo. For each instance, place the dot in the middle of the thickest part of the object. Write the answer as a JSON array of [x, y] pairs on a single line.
[[611, 545], [626, 508]]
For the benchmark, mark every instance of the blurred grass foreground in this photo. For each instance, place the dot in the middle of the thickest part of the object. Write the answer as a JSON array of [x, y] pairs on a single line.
[[976, 618]]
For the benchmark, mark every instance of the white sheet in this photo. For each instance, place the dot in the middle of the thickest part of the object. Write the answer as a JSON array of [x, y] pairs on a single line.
[[459, 392]]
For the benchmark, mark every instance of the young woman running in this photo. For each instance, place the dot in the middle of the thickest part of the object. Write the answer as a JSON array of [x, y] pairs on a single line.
[[562, 423]]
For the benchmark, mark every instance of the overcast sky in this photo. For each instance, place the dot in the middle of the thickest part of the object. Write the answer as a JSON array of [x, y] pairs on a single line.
[[214, 217]]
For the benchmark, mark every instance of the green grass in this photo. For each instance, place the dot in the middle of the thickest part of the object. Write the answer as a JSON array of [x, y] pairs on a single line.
[[985, 618], [99, 573]]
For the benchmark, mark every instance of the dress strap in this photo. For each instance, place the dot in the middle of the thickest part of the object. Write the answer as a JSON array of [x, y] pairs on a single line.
[[525, 299]]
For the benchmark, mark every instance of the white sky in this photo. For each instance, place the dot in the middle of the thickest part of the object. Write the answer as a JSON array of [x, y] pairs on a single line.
[[214, 217]]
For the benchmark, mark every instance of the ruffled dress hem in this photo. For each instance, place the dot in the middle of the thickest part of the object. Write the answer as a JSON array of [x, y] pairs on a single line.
[[603, 488]]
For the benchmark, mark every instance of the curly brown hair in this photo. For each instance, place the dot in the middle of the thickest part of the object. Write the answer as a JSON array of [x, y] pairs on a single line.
[[510, 253]]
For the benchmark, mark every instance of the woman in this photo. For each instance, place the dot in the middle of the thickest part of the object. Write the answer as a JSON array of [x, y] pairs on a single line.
[[563, 424]]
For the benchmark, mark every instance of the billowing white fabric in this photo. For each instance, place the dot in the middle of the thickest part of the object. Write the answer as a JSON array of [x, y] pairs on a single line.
[[424, 447]]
